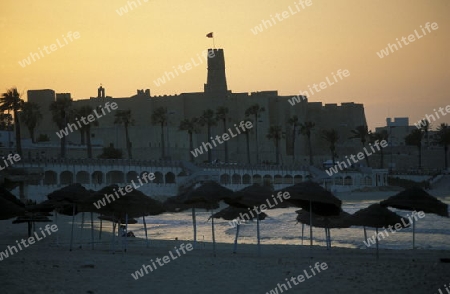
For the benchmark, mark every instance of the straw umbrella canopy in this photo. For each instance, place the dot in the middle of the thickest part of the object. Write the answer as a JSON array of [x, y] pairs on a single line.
[[7, 195], [31, 220], [376, 216], [326, 222], [416, 199], [312, 197], [9, 209], [117, 220], [73, 195], [206, 194], [132, 205], [234, 213], [249, 198]]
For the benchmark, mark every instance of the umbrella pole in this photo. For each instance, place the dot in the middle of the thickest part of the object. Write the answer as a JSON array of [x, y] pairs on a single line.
[[329, 237], [258, 235], [113, 235], [29, 229], [310, 224], [213, 234], [365, 234], [303, 231], [195, 227], [376, 230], [56, 223], [101, 227], [81, 231], [236, 238], [126, 230], [73, 221], [145, 229], [414, 233], [326, 237], [92, 230]]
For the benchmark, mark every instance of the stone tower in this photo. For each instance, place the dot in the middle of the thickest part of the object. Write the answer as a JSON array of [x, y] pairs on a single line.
[[216, 82]]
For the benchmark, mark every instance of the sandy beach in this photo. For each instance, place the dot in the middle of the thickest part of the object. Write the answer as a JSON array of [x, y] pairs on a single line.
[[48, 267]]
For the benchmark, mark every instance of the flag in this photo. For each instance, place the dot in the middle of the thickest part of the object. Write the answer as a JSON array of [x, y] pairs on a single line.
[[210, 35]]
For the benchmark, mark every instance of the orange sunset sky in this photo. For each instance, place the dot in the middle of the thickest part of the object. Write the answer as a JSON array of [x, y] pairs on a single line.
[[129, 52]]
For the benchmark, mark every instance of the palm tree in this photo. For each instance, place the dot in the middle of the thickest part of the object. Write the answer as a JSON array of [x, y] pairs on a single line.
[[159, 117], [60, 116], [331, 137], [11, 101], [222, 114], [383, 135], [305, 130], [123, 117], [293, 121], [444, 140], [84, 111], [208, 119], [425, 127], [275, 133], [189, 125], [74, 114], [361, 133], [255, 110], [31, 116], [5, 121], [415, 139]]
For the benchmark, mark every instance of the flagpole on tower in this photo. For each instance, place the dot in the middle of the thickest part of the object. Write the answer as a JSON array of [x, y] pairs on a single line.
[[211, 35]]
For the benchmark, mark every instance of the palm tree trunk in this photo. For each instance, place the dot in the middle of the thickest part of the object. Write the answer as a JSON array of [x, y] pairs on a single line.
[[163, 155], [63, 139], [310, 151], [17, 129], [31, 131], [82, 132], [248, 147], [88, 142], [446, 156], [226, 142], [191, 147], [420, 156], [277, 151], [382, 159], [256, 138], [127, 138], [210, 151], [63, 147], [293, 144]]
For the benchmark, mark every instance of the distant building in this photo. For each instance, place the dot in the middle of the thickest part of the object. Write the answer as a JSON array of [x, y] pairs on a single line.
[[146, 138], [397, 130]]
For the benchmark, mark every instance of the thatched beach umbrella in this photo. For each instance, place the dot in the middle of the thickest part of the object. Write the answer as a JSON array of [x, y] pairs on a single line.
[[248, 198], [314, 198], [94, 204], [233, 214], [9, 209], [375, 216], [208, 194], [73, 194], [7, 195], [31, 220], [205, 195], [136, 204], [310, 196], [416, 199], [326, 222]]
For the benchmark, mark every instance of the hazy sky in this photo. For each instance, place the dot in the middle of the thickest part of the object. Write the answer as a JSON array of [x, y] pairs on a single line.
[[130, 51]]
